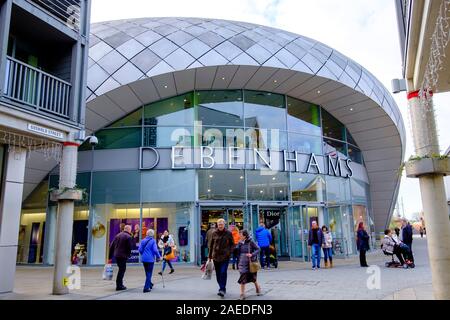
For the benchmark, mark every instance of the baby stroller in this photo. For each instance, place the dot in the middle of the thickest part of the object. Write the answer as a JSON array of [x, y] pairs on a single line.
[[273, 256]]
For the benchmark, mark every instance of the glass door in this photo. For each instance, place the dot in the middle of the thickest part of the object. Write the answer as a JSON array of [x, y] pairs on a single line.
[[310, 214], [335, 226], [347, 229], [296, 231]]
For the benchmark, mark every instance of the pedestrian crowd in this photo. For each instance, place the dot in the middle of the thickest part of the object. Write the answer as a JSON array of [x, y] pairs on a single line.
[[239, 248]]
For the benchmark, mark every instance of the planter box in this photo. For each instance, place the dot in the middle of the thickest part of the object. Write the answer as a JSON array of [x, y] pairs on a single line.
[[72, 194], [417, 168]]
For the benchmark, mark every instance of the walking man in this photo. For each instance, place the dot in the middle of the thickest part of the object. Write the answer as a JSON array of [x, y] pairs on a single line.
[[264, 238], [315, 241], [220, 250], [407, 233], [120, 249]]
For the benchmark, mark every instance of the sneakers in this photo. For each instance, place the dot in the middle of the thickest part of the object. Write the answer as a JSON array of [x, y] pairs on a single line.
[[242, 297], [121, 288], [146, 290], [171, 271], [314, 268], [221, 293]]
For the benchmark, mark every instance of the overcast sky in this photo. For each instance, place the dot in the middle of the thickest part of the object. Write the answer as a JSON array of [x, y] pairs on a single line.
[[364, 30]]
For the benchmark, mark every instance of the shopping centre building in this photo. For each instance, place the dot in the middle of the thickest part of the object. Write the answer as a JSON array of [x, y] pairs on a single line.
[[199, 119]]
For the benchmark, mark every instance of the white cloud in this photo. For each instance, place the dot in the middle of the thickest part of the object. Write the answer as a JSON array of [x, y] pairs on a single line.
[[364, 30]]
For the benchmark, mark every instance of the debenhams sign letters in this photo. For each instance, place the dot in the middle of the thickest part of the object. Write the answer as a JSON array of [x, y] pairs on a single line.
[[178, 158]]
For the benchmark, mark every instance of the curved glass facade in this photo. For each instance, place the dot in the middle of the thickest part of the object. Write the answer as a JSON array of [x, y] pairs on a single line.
[[232, 118], [186, 201]]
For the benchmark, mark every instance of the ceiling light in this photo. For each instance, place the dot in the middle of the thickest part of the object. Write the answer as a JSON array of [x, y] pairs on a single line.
[[230, 190], [275, 81], [165, 86], [281, 191], [261, 191], [301, 179], [318, 91], [209, 190], [223, 78], [211, 176], [273, 178], [351, 109], [241, 177]]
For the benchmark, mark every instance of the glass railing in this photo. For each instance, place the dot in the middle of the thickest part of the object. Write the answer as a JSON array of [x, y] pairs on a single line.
[[67, 11], [28, 85]]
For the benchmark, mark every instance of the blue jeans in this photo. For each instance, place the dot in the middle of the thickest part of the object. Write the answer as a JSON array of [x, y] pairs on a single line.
[[148, 267], [264, 256], [164, 264], [221, 274], [327, 254], [315, 255]]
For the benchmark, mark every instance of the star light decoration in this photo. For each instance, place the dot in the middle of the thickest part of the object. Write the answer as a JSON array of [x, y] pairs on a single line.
[[16, 141]]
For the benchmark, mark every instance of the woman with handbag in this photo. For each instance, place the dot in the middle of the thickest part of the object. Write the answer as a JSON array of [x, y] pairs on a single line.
[[248, 265], [168, 245]]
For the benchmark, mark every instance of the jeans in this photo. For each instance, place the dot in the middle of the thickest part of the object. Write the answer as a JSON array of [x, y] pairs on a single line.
[[164, 265], [122, 264], [409, 244], [327, 254], [148, 267], [221, 274], [362, 258], [315, 255], [264, 256]]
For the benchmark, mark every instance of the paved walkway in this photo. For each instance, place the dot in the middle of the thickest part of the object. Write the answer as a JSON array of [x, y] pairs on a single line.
[[292, 280]]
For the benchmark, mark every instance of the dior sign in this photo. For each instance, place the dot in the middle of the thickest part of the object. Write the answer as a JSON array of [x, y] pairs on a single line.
[[231, 158]]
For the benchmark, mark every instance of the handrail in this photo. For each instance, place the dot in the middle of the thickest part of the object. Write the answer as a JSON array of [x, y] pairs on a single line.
[[37, 89]]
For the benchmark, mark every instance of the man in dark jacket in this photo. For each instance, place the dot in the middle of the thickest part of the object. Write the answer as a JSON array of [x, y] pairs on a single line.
[[264, 238], [120, 249], [220, 250], [407, 234], [315, 240]]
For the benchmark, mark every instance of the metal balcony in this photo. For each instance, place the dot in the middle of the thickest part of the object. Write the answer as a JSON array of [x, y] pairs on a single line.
[[36, 89], [67, 11]]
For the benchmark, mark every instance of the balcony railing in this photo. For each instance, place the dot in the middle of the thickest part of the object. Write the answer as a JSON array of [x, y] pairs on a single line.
[[67, 11], [37, 89]]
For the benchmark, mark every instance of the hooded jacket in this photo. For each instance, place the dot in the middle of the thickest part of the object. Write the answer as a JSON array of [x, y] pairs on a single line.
[[263, 237]]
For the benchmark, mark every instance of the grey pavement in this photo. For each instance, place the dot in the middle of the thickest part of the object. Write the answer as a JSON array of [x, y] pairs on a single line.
[[292, 280]]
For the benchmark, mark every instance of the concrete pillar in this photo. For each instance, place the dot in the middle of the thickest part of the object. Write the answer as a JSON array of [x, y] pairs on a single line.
[[64, 224], [10, 208], [433, 196], [50, 234]]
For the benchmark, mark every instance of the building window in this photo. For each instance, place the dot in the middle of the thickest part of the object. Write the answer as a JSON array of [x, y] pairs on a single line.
[[331, 127], [303, 117], [220, 108], [174, 111], [264, 110], [221, 184], [267, 185], [307, 187]]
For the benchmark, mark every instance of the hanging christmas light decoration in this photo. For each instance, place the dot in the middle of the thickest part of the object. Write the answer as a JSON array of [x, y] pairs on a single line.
[[439, 42], [16, 141]]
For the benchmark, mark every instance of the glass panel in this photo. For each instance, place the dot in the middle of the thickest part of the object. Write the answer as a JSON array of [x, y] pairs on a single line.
[[359, 191], [264, 110], [350, 138], [335, 222], [168, 185], [332, 128], [296, 232], [303, 117], [220, 108], [355, 154], [118, 138], [334, 148], [116, 187], [223, 137], [305, 144], [173, 111], [168, 136], [338, 189], [360, 215], [176, 219], [221, 184], [267, 185], [265, 139], [307, 187], [131, 120], [107, 221]]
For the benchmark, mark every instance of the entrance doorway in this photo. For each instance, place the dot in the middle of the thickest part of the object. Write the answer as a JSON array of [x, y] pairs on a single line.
[[232, 216]]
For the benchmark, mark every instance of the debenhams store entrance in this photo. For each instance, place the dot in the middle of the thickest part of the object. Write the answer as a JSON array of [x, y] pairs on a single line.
[[182, 163]]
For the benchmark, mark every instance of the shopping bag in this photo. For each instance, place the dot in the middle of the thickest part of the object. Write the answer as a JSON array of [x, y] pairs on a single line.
[[108, 272], [209, 268]]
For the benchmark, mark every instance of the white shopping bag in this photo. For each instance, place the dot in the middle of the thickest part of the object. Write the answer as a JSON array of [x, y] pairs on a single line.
[[108, 272]]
